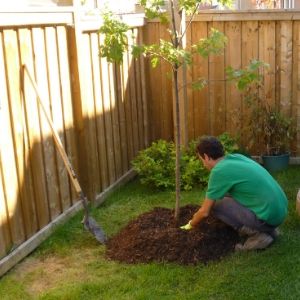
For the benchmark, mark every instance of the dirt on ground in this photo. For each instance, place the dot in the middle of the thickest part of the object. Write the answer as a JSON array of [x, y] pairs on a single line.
[[156, 237], [41, 274]]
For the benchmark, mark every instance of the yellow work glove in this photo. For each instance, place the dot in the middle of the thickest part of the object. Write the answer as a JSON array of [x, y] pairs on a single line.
[[188, 226]]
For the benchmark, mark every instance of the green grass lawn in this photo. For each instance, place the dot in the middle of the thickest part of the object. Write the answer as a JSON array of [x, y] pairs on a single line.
[[71, 263]]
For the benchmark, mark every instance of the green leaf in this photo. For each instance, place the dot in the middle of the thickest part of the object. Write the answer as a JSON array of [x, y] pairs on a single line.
[[199, 84], [115, 38], [137, 50], [189, 5], [247, 77], [214, 44], [155, 9], [154, 61]]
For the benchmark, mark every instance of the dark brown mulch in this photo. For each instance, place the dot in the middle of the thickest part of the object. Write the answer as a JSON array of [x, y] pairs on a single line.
[[154, 236]]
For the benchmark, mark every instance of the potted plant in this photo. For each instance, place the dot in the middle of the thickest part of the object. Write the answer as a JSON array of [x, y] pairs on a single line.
[[271, 131]]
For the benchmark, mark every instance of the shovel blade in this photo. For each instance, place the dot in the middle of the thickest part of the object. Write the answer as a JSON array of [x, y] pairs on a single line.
[[91, 225]]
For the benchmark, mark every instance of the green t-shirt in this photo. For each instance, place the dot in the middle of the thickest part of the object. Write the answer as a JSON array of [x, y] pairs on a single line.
[[249, 184]]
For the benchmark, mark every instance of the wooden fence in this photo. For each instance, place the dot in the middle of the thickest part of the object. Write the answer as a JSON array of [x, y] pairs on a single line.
[[106, 113], [98, 109], [269, 36]]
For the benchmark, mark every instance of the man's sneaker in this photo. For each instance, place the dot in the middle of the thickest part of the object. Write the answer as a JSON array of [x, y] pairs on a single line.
[[257, 241], [275, 233], [246, 231]]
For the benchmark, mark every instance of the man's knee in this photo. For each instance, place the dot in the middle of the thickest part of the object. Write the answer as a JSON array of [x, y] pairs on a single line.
[[222, 206]]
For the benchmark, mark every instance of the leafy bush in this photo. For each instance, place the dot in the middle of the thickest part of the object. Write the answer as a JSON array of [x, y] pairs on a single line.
[[156, 164], [229, 143], [271, 131], [192, 170]]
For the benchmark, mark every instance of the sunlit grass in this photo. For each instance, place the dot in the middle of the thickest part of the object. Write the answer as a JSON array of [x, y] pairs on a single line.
[[71, 264]]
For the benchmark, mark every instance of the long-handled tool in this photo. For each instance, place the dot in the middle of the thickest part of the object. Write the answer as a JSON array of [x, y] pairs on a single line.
[[89, 223]]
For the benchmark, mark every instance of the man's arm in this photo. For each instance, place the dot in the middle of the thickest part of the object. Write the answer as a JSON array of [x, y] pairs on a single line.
[[203, 212]]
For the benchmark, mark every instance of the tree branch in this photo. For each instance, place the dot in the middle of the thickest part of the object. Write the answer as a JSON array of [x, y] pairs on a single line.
[[190, 22], [175, 43]]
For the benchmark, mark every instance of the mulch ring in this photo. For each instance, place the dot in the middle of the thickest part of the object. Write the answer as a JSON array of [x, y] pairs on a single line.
[[155, 237]]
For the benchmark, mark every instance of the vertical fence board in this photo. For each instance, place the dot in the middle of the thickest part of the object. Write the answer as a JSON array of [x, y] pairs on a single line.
[[18, 126], [34, 135], [90, 122], [77, 87], [5, 241], [267, 54], [41, 67], [200, 72], [249, 52], [278, 63], [127, 107], [296, 86], [17, 111], [67, 109], [40, 63], [233, 58], [57, 118], [144, 94], [31, 131], [137, 69], [101, 135], [121, 108], [90, 115], [189, 93], [286, 66], [12, 126], [36, 155], [10, 183], [217, 88], [166, 93], [115, 120], [108, 119], [133, 100], [155, 85]]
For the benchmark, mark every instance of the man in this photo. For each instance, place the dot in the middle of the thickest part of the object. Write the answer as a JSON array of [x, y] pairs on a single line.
[[242, 194]]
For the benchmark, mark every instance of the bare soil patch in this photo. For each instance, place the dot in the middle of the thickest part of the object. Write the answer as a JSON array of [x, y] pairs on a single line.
[[155, 237], [41, 274]]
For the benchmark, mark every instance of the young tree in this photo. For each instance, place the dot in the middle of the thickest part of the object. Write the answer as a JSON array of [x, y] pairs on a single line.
[[173, 13]]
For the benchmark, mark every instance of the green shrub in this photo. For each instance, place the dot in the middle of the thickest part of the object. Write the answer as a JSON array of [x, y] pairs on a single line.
[[231, 144], [192, 171], [156, 164]]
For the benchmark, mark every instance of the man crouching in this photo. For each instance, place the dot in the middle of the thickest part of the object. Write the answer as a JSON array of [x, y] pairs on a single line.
[[242, 194]]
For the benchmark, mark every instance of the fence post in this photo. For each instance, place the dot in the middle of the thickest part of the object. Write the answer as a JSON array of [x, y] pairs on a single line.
[[76, 70]]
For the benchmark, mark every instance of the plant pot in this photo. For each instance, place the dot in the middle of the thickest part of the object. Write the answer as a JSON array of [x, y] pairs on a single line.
[[275, 163]]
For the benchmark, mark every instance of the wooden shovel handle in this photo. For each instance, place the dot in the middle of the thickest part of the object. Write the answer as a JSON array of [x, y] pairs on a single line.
[[56, 137]]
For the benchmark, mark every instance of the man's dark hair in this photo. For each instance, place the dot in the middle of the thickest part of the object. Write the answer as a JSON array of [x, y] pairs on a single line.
[[211, 146]]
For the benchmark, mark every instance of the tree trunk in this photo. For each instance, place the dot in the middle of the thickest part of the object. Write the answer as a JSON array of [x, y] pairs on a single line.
[[177, 141]]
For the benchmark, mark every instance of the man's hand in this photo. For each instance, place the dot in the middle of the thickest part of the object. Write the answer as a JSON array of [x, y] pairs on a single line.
[[187, 226]]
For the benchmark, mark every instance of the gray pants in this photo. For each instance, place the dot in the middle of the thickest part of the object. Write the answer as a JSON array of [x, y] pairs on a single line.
[[236, 215]]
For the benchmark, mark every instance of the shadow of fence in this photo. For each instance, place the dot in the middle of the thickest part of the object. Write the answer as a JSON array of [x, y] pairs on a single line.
[[99, 111]]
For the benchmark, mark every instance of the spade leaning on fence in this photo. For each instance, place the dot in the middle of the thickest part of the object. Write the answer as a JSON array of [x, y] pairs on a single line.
[[89, 222]]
